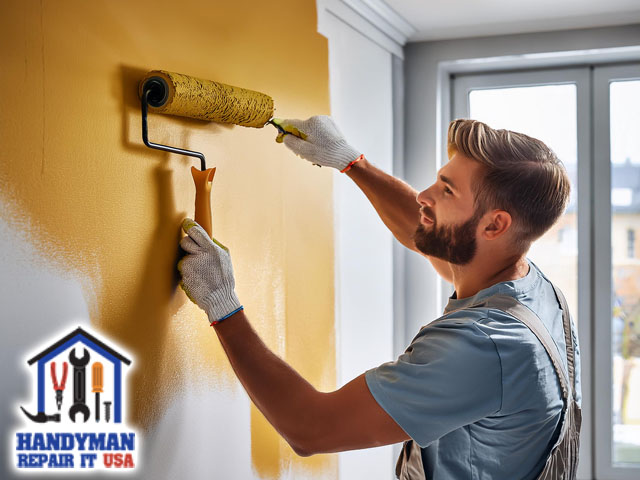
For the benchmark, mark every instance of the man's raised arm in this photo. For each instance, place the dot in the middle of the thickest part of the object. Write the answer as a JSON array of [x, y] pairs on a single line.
[[394, 200], [323, 144]]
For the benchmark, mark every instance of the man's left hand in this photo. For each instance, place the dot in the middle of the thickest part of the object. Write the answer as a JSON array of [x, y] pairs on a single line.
[[207, 273]]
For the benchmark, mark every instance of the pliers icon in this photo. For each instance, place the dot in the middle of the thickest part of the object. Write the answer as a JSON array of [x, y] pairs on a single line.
[[59, 387]]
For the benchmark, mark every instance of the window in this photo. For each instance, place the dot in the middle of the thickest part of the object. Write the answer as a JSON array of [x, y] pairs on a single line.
[[526, 109], [624, 346], [590, 116]]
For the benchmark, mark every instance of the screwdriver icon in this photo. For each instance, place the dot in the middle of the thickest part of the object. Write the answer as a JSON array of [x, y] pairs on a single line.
[[96, 383]]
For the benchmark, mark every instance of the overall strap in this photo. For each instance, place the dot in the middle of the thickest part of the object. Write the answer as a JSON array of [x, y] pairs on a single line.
[[568, 337]]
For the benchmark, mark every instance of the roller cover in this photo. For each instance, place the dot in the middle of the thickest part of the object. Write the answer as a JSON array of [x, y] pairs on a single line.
[[212, 101]]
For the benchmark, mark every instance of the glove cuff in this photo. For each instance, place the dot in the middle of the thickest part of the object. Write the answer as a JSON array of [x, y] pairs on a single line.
[[340, 155], [220, 303]]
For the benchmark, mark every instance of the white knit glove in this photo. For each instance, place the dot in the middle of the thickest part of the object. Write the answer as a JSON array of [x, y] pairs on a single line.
[[207, 273], [324, 144]]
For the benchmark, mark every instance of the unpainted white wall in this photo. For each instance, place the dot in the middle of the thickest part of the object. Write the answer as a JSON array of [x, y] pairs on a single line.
[[361, 104]]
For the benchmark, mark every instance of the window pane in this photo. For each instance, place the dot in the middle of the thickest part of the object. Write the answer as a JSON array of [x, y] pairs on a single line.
[[548, 113], [625, 224]]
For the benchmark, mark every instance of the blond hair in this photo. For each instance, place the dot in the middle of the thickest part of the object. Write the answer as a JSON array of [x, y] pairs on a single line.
[[521, 175]]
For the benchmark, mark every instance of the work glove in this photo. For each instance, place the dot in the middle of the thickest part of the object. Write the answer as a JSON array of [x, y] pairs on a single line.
[[319, 141], [207, 273]]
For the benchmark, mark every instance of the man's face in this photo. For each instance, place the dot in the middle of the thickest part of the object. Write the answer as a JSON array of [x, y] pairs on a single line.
[[448, 221], [454, 243]]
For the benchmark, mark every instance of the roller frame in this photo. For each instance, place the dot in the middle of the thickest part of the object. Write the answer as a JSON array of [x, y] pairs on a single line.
[[152, 87]]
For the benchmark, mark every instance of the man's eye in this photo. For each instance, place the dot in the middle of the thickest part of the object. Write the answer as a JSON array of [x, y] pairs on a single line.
[[447, 190]]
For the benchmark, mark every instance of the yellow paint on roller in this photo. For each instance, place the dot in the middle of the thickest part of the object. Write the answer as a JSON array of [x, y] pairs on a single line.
[[212, 101]]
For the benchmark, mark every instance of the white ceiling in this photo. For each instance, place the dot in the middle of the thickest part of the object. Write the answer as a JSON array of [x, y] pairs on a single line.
[[438, 19]]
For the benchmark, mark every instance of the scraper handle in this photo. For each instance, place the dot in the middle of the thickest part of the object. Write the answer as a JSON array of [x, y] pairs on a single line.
[[203, 181]]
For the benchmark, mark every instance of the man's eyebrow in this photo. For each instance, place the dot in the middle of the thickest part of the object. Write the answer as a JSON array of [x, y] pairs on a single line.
[[448, 180]]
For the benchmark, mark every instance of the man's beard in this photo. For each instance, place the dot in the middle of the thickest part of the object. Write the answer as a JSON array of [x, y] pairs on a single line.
[[453, 243]]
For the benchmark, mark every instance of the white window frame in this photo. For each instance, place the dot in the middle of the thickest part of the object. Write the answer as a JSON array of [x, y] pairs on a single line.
[[594, 214], [602, 394]]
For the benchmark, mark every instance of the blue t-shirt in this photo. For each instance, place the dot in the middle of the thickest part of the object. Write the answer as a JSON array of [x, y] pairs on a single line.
[[478, 391]]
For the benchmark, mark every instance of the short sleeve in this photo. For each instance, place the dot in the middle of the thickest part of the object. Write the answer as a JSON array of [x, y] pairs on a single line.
[[450, 376]]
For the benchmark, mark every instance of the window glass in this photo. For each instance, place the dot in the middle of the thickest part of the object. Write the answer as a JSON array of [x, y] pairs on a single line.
[[625, 269], [548, 113]]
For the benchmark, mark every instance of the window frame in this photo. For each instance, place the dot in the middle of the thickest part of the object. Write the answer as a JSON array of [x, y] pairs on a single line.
[[460, 87], [594, 220], [602, 77]]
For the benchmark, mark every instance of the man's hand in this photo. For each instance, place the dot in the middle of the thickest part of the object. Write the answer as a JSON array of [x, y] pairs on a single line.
[[324, 144], [207, 273]]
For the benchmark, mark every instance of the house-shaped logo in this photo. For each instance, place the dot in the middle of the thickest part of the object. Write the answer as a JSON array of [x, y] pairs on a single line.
[[79, 410], [79, 389]]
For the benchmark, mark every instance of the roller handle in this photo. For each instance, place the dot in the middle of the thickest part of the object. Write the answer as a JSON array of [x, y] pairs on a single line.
[[203, 180]]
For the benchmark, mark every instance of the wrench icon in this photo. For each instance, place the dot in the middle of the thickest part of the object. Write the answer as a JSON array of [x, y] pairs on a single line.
[[79, 385]]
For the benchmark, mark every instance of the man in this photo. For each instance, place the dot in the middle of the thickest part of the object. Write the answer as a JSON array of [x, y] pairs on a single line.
[[476, 391]]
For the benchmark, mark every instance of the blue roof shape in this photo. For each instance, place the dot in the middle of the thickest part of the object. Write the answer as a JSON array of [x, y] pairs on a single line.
[[79, 331]]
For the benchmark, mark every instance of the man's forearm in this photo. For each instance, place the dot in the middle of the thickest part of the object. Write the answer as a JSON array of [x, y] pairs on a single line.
[[280, 393], [393, 199]]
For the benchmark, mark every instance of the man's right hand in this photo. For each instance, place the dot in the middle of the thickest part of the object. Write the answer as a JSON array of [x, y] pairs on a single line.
[[324, 144]]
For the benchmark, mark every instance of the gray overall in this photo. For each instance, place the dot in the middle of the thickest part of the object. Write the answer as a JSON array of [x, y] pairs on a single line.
[[562, 461]]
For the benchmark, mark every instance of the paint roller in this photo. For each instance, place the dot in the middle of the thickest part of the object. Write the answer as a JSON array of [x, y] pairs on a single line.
[[177, 94]]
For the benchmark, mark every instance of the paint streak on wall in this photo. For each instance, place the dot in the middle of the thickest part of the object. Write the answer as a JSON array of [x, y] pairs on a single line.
[[105, 209]]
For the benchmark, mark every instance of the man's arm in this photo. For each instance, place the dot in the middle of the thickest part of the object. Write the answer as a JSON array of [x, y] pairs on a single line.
[[396, 204], [310, 421], [394, 200]]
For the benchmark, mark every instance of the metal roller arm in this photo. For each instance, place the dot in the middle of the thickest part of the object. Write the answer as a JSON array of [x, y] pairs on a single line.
[[144, 101]]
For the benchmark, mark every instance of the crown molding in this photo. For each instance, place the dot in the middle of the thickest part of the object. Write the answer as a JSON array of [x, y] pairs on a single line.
[[384, 17], [372, 18]]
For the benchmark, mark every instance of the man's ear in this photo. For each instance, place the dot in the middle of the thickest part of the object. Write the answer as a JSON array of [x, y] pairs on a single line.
[[497, 224]]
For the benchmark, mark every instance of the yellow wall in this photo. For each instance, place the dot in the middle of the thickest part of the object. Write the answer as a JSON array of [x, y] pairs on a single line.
[[106, 210]]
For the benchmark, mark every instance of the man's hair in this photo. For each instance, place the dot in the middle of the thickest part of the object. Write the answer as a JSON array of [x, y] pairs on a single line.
[[521, 175]]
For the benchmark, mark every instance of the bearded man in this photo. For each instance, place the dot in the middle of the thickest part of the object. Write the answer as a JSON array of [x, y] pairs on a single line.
[[490, 390]]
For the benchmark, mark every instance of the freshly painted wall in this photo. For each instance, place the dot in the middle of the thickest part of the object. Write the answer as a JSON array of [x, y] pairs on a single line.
[[90, 217]]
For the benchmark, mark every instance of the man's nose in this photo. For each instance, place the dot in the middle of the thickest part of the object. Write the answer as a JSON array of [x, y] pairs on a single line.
[[425, 197]]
